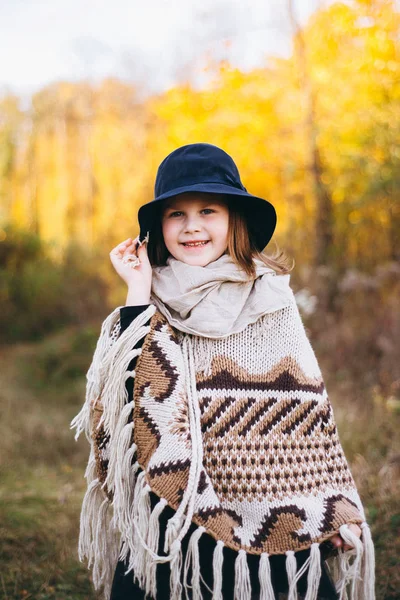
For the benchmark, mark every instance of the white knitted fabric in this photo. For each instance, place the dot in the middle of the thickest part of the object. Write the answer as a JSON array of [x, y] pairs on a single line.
[[237, 435]]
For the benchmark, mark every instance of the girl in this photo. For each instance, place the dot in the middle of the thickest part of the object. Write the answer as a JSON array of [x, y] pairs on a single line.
[[215, 470]]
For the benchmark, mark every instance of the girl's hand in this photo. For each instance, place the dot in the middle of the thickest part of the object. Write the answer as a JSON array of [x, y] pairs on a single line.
[[138, 279], [338, 541]]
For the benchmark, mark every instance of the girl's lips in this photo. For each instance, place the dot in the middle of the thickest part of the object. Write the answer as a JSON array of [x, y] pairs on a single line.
[[192, 246]]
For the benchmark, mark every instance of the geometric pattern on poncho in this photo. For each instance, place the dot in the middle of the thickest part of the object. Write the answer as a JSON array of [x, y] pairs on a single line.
[[274, 474]]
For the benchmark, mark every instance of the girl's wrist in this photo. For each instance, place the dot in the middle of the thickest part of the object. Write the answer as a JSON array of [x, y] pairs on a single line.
[[136, 298]]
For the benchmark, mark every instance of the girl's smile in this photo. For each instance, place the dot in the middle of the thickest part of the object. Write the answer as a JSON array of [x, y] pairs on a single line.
[[195, 244], [195, 227]]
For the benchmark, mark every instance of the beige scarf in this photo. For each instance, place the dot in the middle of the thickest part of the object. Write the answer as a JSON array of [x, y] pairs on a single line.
[[219, 299]]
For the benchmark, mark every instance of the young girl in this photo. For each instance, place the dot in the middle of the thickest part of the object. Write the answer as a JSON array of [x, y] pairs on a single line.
[[215, 469]]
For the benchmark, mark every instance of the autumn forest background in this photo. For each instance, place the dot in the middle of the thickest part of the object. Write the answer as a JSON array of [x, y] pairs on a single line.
[[318, 134]]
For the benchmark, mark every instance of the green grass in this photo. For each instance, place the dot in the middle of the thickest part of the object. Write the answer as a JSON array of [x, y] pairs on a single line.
[[38, 531], [368, 426], [42, 484], [41, 487]]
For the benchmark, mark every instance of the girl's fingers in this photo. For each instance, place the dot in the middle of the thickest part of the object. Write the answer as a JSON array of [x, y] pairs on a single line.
[[142, 249], [143, 255], [130, 249], [124, 243], [356, 530], [121, 247], [336, 540], [118, 248]]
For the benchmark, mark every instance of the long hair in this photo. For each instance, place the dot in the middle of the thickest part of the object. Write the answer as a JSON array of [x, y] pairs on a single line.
[[241, 246]]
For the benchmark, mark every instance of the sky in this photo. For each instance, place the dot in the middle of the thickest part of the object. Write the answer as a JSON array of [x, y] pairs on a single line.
[[150, 42]]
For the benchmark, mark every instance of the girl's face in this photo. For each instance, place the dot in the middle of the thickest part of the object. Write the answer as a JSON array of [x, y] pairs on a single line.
[[195, 227]]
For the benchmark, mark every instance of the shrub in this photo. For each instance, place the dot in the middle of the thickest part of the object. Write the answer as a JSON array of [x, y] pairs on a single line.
[[39, 294]]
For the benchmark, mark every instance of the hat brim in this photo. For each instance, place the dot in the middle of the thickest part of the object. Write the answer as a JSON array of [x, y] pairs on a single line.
[[260, 214]]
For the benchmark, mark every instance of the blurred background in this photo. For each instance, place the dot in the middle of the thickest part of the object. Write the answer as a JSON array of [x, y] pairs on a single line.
[[305, 96]]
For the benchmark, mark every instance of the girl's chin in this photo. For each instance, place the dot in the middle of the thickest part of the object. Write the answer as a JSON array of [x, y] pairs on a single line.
[[196, 258], [196, 261]]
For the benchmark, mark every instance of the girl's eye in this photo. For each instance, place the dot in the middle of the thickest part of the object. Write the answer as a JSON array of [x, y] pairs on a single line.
[[179, 213]]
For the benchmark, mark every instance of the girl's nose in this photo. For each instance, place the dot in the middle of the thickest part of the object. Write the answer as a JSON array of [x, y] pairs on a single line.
[[192, 224]]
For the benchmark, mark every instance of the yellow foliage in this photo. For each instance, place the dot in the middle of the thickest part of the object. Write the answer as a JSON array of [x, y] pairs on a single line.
[[80, 162]]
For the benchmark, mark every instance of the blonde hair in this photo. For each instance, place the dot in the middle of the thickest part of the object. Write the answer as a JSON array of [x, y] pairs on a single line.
[[241, 247]]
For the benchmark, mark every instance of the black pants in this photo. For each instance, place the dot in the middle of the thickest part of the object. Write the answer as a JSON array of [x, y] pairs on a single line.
[[125, 588]]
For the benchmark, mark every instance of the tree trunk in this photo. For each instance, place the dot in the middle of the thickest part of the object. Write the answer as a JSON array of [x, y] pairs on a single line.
[[323, 255]]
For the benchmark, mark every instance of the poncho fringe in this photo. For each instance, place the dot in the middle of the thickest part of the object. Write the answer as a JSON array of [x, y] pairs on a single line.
[[116, 517]]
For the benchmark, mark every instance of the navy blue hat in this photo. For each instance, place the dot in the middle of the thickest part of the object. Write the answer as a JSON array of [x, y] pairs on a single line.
[[207, 168]]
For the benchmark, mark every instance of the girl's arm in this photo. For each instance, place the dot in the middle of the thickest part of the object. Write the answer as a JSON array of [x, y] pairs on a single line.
[[127, 315], [138, 278]]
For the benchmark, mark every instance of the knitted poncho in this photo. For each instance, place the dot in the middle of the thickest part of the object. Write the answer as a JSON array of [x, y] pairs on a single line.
[[235, 434]]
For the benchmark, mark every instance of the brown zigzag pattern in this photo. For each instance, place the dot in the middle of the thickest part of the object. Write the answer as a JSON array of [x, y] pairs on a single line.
[[221, 408], [283, 383], [315, 421], [202, 483], [150, 423], [160, 322], [210, 512], [170, 467], [205, 402], [268, 525], [329, 504], [167, 368], [237, 411], [283, 412], [320, 417], [261, 439], [254, 417], [300, 415]]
